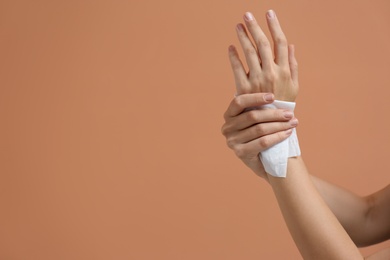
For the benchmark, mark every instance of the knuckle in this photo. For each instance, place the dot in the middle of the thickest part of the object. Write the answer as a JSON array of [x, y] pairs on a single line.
[[281, 41], [269, 77], [294, 65], [225, 115], [230, 142], [251, 116], [257, 79], [237, 102], [259, 130], [223, 130], [250, 51], [264, 142], [262, 42], [239, 151], [244, 89], [285, 73], [242, 83]]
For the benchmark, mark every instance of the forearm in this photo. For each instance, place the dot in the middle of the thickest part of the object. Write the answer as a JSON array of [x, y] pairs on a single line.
[[377, 223], [314, 228], [350, 209], [355, 212]]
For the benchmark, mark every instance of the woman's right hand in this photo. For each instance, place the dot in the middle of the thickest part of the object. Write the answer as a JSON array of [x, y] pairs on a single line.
[[251, 131]]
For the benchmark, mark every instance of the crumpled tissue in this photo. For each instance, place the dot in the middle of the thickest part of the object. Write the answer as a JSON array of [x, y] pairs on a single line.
[[275, 158]]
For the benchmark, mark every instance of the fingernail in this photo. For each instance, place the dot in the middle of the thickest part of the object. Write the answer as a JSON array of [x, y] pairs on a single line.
[[231, 48], [288, 132], [248, 16], [271, 14], [288, 114], [294, 122], [269, 97], [240, 27]]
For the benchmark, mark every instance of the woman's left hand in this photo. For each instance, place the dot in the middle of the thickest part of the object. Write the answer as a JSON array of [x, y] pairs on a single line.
[[269, 71]]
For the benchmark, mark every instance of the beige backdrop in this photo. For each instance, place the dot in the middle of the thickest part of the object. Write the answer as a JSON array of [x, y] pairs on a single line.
[[110, 125]]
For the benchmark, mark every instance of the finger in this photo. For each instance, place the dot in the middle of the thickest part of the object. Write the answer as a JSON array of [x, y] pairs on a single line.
[[293, 64], [260, 144], [260, 130], [258, 116], [251, 55], [239, 73], [260, 40], [279, 39], [241, 102]]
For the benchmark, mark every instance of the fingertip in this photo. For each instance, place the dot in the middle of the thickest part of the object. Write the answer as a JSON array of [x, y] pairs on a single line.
[[248, 16], [288, 132], [231, 48], [271, 14], [240, 27], [294, 122], [288, 114], [269, 97]]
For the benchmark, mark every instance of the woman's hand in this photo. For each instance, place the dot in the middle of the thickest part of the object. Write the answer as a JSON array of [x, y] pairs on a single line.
[[250, 132], [269, 71]]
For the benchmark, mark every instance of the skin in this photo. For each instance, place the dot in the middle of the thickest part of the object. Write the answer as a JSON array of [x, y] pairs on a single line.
[[248, 133], [316, 212]]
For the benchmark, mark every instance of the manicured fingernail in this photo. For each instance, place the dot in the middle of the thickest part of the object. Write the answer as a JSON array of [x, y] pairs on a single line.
[[294, 122], [271, 14], [288, 132], [248, 16], [240, 27], [288, 114], [269, 97]]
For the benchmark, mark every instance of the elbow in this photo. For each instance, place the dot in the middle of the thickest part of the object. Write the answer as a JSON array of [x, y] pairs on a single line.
[[368, 219], [370, 209]]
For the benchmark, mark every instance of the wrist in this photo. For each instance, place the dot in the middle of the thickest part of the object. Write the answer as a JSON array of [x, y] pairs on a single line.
[[274, 159]]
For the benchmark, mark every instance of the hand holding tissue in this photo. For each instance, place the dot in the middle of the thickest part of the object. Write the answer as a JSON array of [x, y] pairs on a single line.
[[270, 71]]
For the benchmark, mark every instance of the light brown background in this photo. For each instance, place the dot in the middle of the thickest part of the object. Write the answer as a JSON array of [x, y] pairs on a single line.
[[111, 114]]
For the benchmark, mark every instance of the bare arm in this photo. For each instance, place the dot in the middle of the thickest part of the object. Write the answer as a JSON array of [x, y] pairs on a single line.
[[302, 199], [381, 255], [366, 219], [314, 228]]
